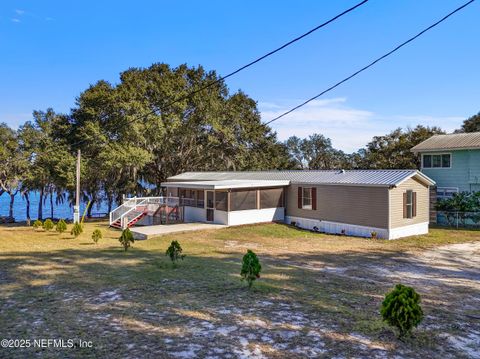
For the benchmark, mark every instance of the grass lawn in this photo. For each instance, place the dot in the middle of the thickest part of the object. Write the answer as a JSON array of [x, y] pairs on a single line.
[[318, 295]]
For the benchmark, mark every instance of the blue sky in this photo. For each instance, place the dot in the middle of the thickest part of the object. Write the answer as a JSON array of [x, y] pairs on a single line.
[[50, 51]]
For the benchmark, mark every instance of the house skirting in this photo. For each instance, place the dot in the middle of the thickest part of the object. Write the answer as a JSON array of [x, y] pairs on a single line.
[[410, 230], [356, 230], [235, 218]]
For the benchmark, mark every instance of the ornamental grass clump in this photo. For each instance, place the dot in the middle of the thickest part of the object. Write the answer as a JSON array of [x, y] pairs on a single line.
[[251, 268], [175, 252], [126, 239], [61, 226], [401, 309]]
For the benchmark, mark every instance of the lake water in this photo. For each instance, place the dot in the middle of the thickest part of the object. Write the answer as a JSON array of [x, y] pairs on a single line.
[[59, 211]]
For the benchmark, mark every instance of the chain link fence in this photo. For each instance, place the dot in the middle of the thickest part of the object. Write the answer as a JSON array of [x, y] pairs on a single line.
[[458, 219]]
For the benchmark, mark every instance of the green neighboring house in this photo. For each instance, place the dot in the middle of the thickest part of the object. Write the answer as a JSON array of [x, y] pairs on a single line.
[[452, 161]]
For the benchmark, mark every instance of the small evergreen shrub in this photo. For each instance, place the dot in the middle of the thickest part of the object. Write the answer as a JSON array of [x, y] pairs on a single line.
[[48, 225], [97, 235], [61, 226], [77, 229], [374, 235], [175, 252], [401, 309], [126, 239], [251, 268], [38, 224]]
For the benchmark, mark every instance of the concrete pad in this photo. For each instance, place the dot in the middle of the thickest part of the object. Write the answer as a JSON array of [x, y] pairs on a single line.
[[146, 232]]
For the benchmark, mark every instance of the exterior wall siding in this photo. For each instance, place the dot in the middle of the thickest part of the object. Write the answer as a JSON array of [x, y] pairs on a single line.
[[464, 173], [363, 206], [396, 204], [256, 216]]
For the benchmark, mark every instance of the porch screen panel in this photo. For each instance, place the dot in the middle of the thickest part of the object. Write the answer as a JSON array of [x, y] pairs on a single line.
[[242, 200], [200, 198], [271, 198], [188, 197], [221, 201]]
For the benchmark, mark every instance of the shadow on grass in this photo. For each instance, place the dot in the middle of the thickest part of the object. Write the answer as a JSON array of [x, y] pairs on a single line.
[[122, 298]]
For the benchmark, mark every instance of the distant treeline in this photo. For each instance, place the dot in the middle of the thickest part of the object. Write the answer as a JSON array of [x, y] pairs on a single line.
[[133, 136]]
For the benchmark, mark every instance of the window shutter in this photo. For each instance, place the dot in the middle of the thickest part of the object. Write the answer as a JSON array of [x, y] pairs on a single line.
[[414, 204], [300, 197], [404, 204], [314, 198]]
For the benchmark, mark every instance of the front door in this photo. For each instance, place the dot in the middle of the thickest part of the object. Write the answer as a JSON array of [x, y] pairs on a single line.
[[210, 205]]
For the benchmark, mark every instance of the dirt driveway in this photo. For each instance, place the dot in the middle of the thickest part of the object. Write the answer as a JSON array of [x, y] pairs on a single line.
[[318, 296]]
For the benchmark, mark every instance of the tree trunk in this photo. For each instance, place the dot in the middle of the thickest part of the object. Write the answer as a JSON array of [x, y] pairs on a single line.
[[51, 205], [40, 205], [12, 200], [110, 203], [27, 199], [89, 210]]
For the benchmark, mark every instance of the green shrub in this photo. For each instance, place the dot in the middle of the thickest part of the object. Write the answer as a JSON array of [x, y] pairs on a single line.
[[48, 224], [126, 239], [37, 224], [401, 309], [61, 226], [97, 235], [251, 268], [175, 252], [77, 229]]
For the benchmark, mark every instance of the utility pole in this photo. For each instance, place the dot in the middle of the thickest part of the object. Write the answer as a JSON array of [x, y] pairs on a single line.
[[76, 208]]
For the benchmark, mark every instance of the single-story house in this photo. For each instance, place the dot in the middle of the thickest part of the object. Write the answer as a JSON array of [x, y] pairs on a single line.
[[391, 203], [452, 161]]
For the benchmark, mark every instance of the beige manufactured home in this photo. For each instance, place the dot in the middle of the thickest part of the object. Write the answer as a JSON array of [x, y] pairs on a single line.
[[390, 203]]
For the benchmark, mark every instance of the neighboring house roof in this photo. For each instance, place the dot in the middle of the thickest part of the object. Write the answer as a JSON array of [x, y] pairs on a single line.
[[227, 184], [377, 178], [456, 141]]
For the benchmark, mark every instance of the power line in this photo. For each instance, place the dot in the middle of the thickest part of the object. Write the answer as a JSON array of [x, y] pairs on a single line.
[[370, 64], [243, 67]]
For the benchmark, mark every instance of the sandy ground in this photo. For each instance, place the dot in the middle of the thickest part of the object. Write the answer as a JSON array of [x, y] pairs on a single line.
[[186, 317]]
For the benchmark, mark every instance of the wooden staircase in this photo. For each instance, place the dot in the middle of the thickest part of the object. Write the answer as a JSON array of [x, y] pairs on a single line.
[[132, 218]]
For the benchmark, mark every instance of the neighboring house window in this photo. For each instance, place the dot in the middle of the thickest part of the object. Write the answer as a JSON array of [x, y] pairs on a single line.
[[409, 204], [443, 160], [307, 198], [446, 192]]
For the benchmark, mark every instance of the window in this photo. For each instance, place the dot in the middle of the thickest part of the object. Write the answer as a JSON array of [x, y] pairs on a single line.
[[409, 204], [446, 192], [446, 160], [242, 200], [427, 161], [436, 161], [221, 200], [271, 198], [307, 198]]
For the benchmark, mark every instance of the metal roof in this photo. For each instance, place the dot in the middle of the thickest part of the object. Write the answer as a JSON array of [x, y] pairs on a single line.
[[381, 178], [449, 142], [227, 184]]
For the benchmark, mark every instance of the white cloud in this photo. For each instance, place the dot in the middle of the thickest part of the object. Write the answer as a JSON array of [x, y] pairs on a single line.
[[15, 20], [19, 12], [348, 128]]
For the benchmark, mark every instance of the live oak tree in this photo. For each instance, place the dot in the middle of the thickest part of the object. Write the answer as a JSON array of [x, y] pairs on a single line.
[[471, 124], [316, 153], [393, 151]]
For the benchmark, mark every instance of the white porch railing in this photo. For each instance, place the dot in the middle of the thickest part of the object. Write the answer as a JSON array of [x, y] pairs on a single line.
[[134, 207]]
